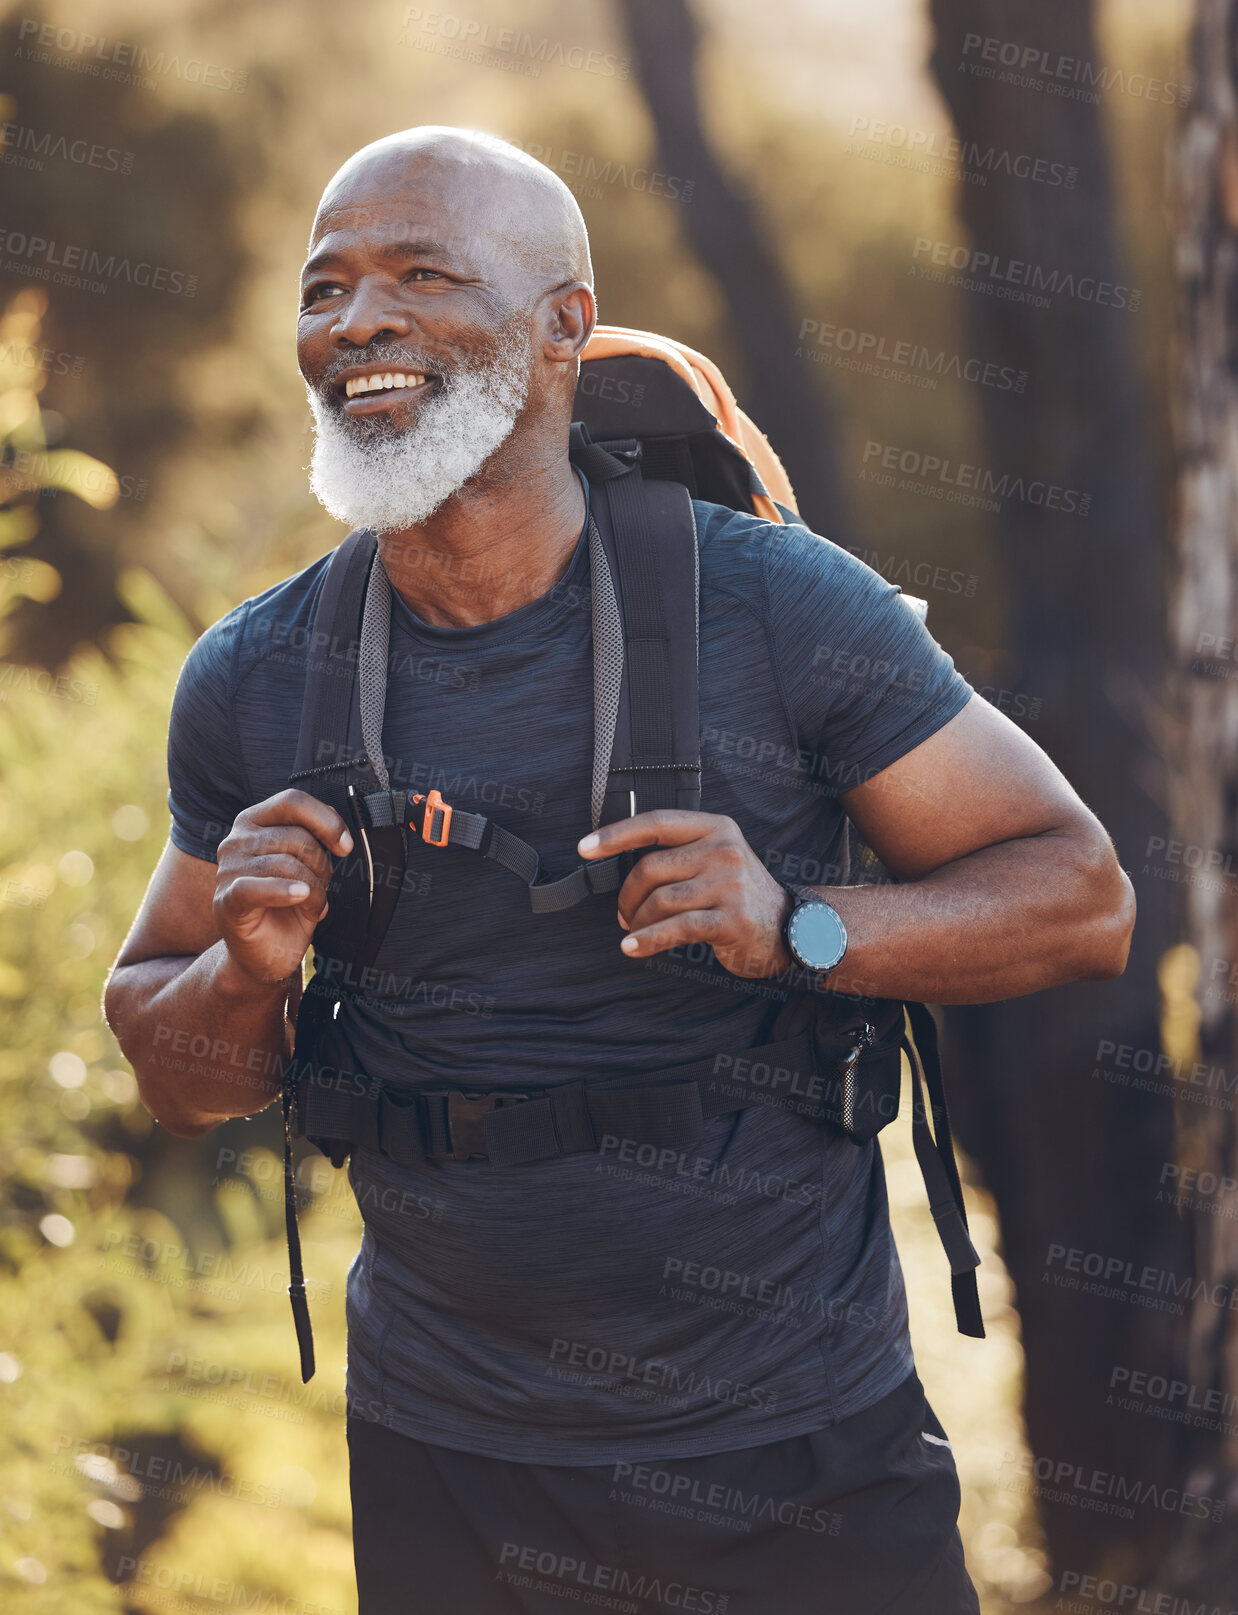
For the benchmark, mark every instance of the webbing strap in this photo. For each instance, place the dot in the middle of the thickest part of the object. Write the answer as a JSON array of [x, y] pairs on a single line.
[[296, 1269], [935, 1154]]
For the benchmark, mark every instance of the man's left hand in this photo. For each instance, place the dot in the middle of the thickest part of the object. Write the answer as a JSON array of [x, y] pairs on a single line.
[[704, 883]]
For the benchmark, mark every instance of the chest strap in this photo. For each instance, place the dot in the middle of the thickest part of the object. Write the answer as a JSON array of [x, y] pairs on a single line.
[[442, 825]]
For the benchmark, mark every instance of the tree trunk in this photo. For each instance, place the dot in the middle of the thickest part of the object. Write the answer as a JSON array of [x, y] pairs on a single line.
[[1069, 1142], [730, 241], [1204, 1560]]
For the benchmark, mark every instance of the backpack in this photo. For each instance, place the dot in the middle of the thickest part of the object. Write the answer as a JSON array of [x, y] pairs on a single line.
[[655, 427]]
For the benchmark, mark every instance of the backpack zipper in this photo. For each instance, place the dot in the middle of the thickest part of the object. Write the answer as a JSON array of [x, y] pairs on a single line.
[[863, 1039]]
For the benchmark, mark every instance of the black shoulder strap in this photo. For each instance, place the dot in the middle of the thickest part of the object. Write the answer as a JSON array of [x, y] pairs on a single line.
[[331, 659], [649, 534], [332, 764]]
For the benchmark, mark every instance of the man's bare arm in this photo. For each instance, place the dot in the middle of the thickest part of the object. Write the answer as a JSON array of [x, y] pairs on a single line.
[[1008, 884], [201, 993]]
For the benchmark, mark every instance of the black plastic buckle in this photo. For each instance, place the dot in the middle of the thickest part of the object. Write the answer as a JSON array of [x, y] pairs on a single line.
[[466, 1113]]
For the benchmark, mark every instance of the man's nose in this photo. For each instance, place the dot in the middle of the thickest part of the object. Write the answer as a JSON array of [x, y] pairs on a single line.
[[370, 312]]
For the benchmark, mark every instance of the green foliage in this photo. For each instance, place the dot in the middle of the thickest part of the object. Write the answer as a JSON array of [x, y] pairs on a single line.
[[148, 1387]]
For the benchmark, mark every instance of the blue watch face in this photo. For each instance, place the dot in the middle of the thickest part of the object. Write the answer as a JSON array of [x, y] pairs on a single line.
[[817, 936]]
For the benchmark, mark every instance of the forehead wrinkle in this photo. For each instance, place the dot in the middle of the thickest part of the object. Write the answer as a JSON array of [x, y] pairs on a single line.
[[391, 249]]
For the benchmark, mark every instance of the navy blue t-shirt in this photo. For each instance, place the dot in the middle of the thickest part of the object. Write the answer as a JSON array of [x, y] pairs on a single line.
[[630, 1304]]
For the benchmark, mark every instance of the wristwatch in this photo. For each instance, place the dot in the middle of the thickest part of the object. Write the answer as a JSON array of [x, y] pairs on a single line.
[[813, 931]]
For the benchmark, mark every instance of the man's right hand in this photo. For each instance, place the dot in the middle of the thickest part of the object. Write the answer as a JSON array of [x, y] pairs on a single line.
[[271, 885]]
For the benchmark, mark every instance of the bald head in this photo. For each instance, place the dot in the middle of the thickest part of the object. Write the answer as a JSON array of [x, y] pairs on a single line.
[[496, 200]]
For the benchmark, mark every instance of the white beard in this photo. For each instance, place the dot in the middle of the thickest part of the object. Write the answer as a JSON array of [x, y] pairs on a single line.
[[371, 473]]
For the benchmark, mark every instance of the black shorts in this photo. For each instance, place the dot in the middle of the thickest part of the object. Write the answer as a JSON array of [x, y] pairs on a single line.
[[855, 1520]]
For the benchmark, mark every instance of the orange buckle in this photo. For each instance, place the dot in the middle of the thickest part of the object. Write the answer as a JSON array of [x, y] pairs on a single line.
[[435, 819]]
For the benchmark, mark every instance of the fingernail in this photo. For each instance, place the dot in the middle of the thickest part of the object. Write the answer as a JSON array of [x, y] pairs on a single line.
[[629, 944], [346, 842], [623, 922], [298, 888], [588, 844]]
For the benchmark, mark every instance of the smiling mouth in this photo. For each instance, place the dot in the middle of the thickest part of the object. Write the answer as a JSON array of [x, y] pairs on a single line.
[[381, 389]]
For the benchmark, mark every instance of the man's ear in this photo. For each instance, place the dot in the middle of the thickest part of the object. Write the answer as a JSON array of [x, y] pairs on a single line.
[[571, 314]]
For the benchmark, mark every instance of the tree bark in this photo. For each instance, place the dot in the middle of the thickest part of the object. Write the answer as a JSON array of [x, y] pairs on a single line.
[[730, 241], [1204, 1559], [1069, 1142]]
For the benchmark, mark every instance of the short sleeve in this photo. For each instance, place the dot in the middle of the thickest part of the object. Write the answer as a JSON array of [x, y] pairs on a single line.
[[206, 774], [865, 678]]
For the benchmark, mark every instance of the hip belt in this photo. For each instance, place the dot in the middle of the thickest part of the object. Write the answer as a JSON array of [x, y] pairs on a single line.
[[338, 1107]]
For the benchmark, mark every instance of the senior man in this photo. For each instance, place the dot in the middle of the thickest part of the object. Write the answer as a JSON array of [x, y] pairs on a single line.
[[546, 1398]]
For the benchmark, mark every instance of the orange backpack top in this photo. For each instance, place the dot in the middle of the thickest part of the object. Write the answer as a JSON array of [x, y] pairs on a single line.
[[677, 402]]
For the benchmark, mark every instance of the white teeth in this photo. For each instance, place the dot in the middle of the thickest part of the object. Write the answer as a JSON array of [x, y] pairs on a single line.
[[377, 384]]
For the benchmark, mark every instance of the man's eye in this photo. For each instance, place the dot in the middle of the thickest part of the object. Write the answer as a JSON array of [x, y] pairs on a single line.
[[315, 294], [424, 274]]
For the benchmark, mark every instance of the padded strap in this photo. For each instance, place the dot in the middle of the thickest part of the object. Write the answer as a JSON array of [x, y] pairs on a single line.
[[327, 704], [649, 535]]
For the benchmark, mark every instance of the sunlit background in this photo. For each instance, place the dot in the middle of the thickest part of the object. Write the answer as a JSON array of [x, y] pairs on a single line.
[[157, 1448]]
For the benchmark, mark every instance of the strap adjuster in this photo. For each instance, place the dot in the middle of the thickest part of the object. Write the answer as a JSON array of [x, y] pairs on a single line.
[[435, 818]]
